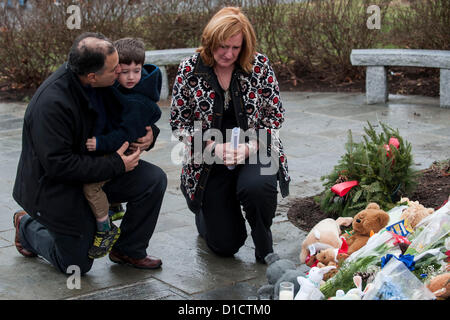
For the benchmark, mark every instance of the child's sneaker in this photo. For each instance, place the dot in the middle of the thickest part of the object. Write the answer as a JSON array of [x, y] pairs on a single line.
[[116, 212], [103, 242]]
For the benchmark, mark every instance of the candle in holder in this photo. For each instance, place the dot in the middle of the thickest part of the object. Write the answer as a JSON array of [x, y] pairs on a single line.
[[286, 291]]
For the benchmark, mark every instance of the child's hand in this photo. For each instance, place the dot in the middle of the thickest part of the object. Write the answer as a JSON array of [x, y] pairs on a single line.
[[91, 144]]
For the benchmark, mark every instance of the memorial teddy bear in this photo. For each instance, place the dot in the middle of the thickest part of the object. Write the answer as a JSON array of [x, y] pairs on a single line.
[[414, 213], [366, 222], [330, 257], [440, 286], [325, 234]]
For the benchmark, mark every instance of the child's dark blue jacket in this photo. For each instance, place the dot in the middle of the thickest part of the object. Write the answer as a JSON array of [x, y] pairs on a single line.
[[137, 110]]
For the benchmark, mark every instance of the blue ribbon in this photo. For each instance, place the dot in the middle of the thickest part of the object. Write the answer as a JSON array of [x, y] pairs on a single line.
[[407, 259]]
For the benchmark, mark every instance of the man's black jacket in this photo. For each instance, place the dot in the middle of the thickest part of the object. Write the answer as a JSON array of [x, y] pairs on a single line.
[[54, 163]]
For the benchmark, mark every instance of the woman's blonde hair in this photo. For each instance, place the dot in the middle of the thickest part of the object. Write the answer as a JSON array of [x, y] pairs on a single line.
[[226, 23]]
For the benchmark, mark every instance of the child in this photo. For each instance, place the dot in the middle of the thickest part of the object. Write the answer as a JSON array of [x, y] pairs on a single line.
[[137, 89]]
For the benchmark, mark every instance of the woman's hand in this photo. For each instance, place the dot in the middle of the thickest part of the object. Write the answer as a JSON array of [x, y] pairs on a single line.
[[143, 143], [231, 156]]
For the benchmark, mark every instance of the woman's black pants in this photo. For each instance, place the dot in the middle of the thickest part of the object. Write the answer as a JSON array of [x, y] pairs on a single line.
[[220, 221]]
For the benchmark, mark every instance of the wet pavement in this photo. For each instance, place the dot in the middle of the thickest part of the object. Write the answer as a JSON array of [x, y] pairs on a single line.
[[314, 134]]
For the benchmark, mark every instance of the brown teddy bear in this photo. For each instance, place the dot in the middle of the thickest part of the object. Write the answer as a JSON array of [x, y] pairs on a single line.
[[327, 257], [371, 219], [330, 257], [440, 286], [414, 213]]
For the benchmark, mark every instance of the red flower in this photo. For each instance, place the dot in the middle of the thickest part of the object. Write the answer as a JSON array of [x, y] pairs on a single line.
[[179, 80], [199, 93], [275, 100], [210, 117], [212, 95], [252, 95], [270, 79], [276, 123], [257, 69], [278, 115], [188, 68], [197, 115], [180, 102], [260, 91], [282, 159]]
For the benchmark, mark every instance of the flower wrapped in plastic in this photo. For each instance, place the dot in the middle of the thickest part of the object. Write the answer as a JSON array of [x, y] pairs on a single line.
[[396, 282], [378, 245]]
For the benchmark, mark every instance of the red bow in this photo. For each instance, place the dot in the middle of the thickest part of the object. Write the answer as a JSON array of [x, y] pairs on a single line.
[[399, 239]]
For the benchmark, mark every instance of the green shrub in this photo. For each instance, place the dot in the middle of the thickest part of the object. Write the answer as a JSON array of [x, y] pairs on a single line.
[[421, 24], [323, 34], [35, 42], [382, 179], [313, 38]]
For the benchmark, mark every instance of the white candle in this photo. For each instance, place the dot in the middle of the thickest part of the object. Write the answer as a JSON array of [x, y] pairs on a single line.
[[286, 295]]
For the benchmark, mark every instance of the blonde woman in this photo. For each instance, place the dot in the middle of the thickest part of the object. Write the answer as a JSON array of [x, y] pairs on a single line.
[[225, 85]]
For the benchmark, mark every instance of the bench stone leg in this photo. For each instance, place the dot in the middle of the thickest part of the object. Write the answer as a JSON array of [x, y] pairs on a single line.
[[165, 83], [445, 88], [376, 85]]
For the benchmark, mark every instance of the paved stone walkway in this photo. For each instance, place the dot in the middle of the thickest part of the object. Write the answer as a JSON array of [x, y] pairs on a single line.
[[314, 134]]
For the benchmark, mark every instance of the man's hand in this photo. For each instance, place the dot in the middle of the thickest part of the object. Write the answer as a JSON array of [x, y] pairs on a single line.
[[130, 161], [91, 144], [144, 142]]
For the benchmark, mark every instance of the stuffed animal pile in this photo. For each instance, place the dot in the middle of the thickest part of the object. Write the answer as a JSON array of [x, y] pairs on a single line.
[[414, 213], [325, 246]]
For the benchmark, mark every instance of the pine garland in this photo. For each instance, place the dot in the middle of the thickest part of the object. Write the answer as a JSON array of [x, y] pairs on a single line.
[[382, 179]]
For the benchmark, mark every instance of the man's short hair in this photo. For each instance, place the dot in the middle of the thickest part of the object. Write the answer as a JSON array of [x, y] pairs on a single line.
[[87, 56], [130, 50]]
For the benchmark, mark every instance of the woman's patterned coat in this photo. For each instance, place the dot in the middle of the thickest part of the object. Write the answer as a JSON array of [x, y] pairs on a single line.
[[196, 107]]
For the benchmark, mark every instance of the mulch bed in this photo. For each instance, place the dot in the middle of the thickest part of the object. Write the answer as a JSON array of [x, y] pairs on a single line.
[[432, 191], [402, 80]]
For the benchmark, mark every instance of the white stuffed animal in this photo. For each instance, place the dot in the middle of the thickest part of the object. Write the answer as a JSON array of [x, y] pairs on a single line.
[[309, 287], [353, 294], [325, 234]]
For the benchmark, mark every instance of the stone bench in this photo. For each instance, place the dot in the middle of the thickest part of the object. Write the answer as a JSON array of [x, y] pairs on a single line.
[[377, 60], [163, 58]]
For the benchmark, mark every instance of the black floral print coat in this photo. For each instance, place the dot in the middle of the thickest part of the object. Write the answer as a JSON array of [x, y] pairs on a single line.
[[196, 107]]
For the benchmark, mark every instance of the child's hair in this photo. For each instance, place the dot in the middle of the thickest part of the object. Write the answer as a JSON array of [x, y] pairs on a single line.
[[130, 50]]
